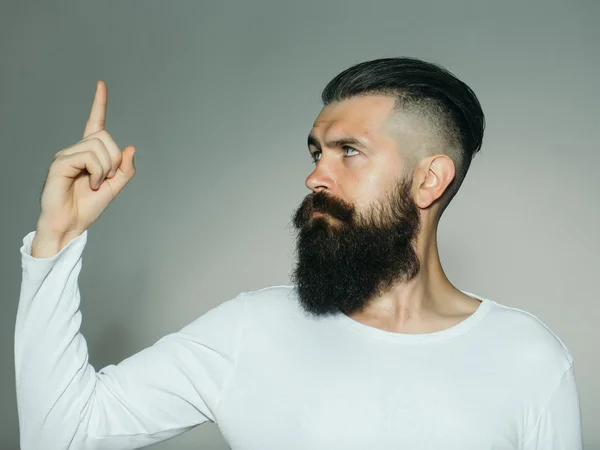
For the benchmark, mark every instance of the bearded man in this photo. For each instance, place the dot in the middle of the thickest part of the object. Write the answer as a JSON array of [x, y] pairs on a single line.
[[370, 347]]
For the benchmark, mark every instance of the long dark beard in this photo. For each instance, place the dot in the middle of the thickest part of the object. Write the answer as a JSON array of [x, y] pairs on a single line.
[[343, 260]]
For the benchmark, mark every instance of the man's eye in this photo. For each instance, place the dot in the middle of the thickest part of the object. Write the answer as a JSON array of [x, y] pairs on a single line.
[[346, 147], [314, 158]]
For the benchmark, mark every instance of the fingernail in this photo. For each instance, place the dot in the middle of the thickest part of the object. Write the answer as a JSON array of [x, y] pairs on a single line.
[[111, 173]]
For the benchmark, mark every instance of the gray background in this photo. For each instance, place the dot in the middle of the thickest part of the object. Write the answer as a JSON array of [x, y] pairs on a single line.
[[218, 99]]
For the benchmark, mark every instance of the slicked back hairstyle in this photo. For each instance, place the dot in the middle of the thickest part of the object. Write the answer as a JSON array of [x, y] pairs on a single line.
[[449, 105]]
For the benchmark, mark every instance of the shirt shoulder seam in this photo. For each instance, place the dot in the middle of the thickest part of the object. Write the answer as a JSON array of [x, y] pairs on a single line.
[[536, 424], [238, 349], [540, 321]]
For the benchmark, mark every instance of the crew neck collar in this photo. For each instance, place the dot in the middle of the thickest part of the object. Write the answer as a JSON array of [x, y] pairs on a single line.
[[422, 338]]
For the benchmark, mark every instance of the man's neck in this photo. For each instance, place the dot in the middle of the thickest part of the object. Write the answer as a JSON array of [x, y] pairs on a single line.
[[427, 303]]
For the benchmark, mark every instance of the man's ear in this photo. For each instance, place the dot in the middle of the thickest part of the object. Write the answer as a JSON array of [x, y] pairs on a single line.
[[434, 174]]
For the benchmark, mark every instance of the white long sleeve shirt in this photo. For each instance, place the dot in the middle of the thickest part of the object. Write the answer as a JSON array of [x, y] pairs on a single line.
[[273, 377]]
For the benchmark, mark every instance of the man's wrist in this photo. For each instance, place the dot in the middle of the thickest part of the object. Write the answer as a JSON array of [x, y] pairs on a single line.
[[47, 244]]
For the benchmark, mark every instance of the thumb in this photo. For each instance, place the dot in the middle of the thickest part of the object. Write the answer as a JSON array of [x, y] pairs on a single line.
[[126, 170], [127, 163]]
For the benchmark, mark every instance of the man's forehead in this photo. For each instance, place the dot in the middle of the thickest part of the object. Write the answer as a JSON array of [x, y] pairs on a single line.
[[366, 109], [360, 113]]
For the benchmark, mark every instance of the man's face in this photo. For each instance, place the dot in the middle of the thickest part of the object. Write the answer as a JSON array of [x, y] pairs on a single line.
[[356, 230]]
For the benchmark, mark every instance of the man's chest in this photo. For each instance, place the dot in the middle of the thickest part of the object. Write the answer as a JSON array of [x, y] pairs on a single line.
[[326, 401]]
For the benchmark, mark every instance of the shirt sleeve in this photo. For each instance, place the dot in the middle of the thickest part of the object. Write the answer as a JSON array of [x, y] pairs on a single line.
[[559, 425], [156, 394]]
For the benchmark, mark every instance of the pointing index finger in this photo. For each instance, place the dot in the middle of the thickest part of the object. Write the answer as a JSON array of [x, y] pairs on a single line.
[[97, 117]]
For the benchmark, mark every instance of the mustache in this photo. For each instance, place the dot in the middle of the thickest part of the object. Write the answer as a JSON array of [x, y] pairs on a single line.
[[326, 203]]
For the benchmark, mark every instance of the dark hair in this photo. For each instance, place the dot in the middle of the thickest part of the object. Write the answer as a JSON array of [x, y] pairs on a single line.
[[448, 103]]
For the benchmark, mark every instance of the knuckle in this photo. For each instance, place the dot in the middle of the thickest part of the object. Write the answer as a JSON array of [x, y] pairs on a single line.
[[90, 141], [65, 151], [91, 154], [101, 135], [100, 148], [53, 167], [104, 134], [56, 165]]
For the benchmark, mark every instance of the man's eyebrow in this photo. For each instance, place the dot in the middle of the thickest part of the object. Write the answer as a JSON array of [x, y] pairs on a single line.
[[336, 143]]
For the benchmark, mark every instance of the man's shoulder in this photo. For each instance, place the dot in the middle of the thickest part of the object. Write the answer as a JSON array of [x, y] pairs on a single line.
[[530, 338], [265, 305], [275, 300], [271, 293]]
